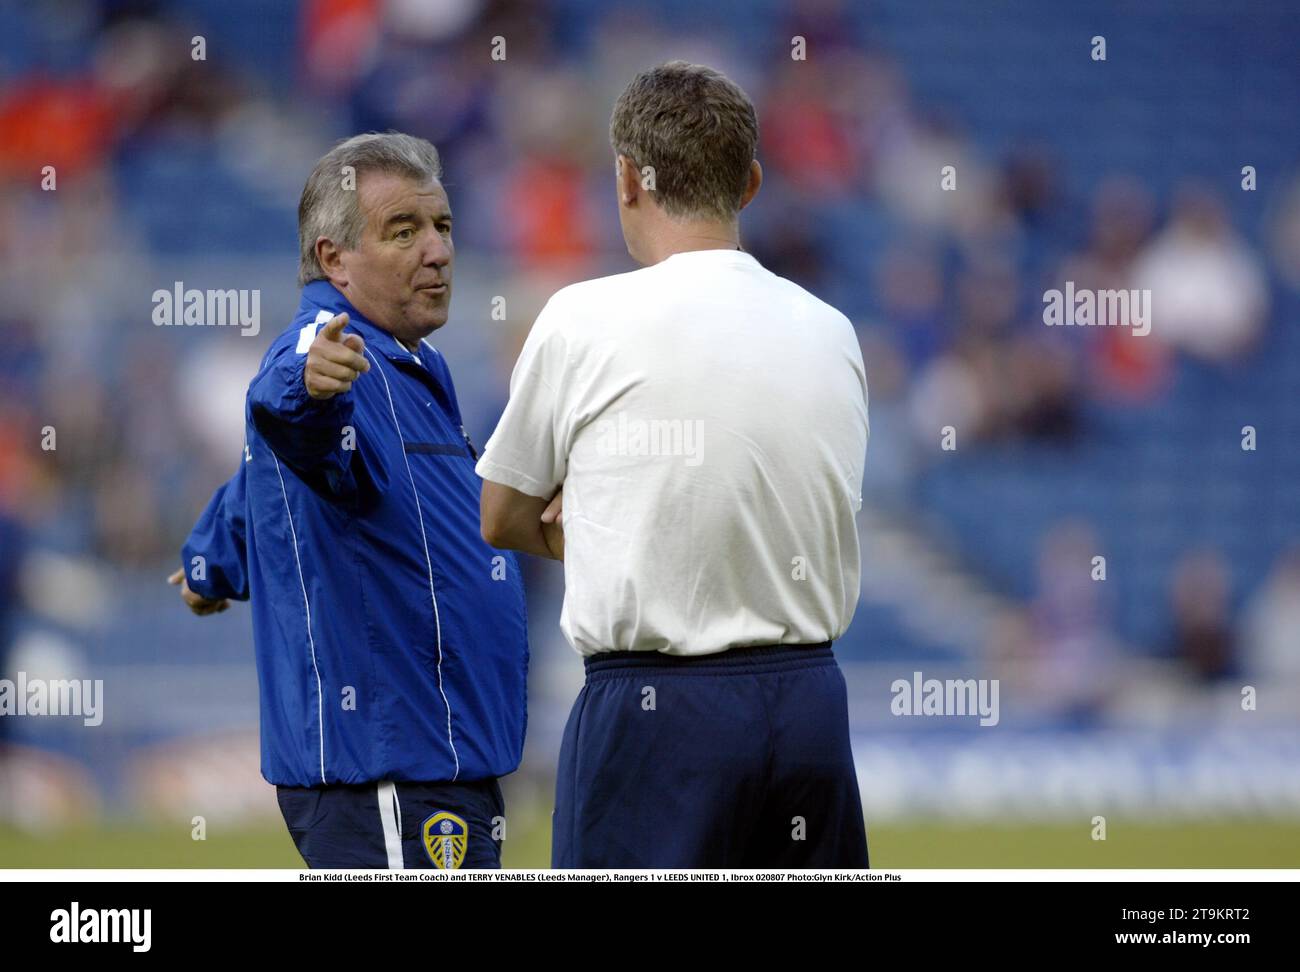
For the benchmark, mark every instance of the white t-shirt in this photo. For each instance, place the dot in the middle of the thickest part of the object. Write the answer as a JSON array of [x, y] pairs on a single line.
[[708, 421]]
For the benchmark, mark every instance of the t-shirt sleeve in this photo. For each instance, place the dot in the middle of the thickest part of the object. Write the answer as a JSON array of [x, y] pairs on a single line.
[[529, 451]]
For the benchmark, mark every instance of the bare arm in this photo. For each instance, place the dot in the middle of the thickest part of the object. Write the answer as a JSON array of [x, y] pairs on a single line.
[[512, 520]]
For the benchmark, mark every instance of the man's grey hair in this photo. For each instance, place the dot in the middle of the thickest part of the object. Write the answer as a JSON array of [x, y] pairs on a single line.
[[699, 132], [329, 209]]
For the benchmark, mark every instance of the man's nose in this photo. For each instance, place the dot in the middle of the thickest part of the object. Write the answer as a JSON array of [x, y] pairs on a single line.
[[437, 251]]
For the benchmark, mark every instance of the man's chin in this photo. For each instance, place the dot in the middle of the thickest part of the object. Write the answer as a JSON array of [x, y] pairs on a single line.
[[424, 329], [432, 311], [429, 321]]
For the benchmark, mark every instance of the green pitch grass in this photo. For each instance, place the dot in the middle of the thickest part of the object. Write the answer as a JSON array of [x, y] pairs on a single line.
[[1244, 843]]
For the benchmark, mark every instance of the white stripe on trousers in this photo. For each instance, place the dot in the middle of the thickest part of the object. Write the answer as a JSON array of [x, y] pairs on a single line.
[[390, 814]]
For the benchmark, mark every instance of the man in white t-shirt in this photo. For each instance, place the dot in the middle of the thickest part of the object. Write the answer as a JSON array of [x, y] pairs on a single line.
[[707, 423]]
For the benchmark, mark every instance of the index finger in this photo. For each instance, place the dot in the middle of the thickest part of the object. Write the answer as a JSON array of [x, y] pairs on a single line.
[[343, 355], [333, 329]]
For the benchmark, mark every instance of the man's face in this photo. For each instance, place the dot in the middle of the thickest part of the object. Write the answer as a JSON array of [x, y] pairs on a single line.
[[399, 275]]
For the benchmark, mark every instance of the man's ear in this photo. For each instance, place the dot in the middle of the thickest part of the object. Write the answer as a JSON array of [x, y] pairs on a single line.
[[755, 180], [330, 257], [629, 181]]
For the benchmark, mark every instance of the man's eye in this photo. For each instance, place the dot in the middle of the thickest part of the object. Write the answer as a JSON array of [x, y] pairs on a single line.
[[405, 234], [444, 228]]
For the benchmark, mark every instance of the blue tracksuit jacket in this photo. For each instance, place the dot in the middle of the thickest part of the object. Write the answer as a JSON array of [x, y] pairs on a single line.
[[391, 640]]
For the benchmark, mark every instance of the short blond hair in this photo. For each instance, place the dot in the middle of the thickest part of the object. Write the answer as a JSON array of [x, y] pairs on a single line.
[[699, 132]]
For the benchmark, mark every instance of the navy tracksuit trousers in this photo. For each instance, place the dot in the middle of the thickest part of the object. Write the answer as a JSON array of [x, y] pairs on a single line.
[[735, 760]]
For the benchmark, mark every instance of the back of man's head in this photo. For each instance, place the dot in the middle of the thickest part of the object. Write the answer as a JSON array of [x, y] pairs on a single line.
[[698, 132]]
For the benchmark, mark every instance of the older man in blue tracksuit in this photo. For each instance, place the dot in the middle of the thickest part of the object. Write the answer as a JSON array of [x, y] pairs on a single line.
[[391, 642]]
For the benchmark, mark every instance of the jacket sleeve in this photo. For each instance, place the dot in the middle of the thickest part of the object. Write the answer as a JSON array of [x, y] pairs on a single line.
[[216, 554], [309, 435]]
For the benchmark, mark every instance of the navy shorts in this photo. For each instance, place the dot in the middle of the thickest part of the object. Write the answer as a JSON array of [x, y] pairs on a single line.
[[396, 825], [735, 760]]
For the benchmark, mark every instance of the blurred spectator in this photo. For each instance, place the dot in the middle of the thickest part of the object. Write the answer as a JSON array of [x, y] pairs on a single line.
[[340, 41], [1208, 292], [1077, 661], [1120, 366], [887, 478], [1030, 187], [1042, 392], [67, 124], [1272, 621], [1022, 389], [796, 250], [13, 544], [804, 137], [911, 170], [13, 549], [1285, 235], [909, 281], [988, 293], [1202, 632], [949, 393]]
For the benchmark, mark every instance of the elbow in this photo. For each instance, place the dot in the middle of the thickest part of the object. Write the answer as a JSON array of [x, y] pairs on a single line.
[[493, 534], [493, 516]]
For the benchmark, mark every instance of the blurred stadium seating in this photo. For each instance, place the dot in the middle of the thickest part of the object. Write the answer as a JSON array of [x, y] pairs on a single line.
[[1119, 696]]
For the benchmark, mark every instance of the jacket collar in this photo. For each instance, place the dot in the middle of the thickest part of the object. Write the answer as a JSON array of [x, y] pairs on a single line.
[[324, 295]]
